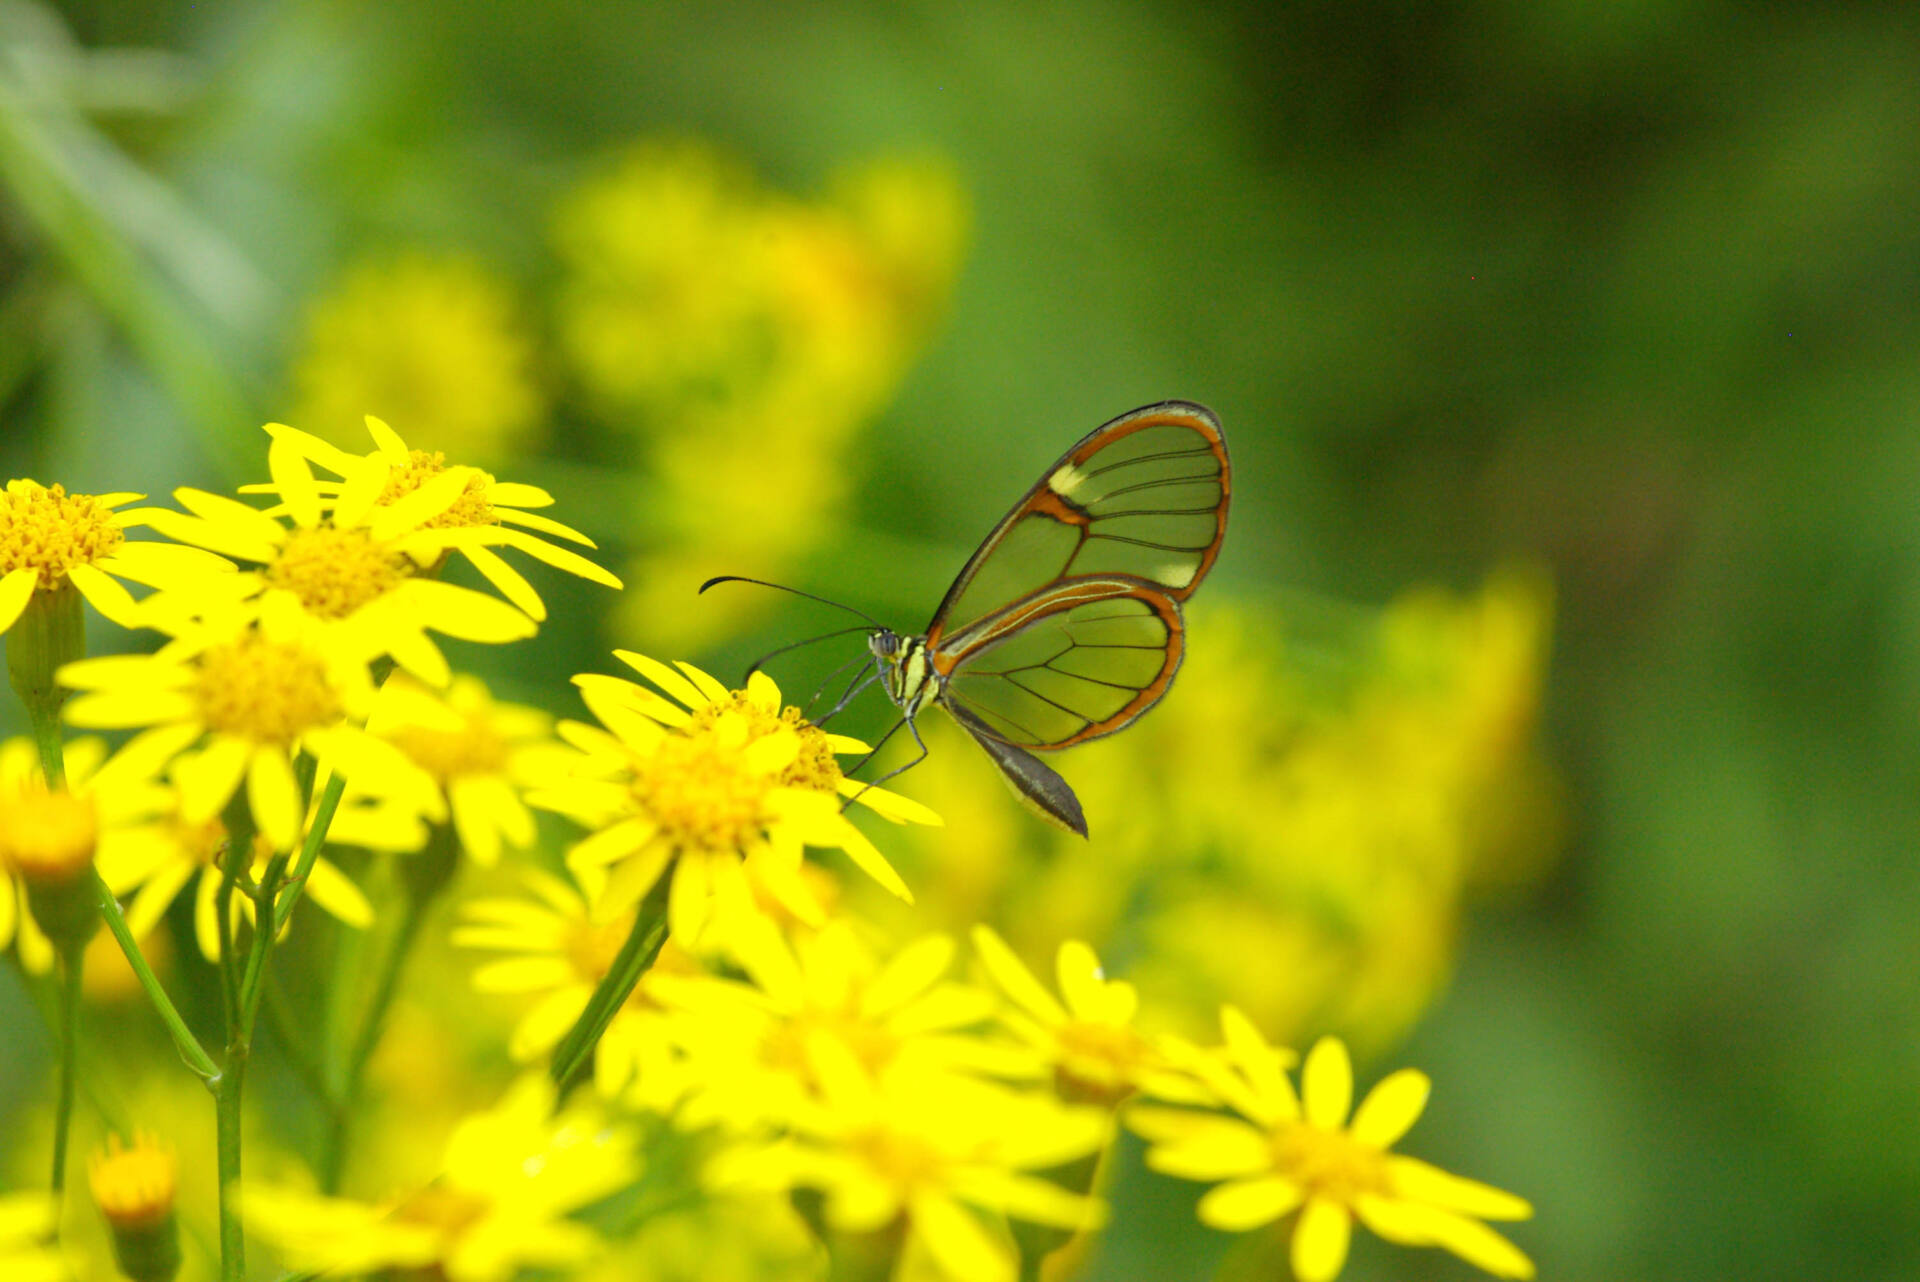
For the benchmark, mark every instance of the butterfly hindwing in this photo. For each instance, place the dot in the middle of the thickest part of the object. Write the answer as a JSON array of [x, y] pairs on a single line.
[[1078, 660]]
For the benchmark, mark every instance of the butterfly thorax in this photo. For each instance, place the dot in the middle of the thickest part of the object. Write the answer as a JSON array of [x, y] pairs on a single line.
[[905, 670]]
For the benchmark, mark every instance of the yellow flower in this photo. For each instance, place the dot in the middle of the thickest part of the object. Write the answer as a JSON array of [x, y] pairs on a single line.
[[53, 837], [460, 509], [723, 787], [232, 703], [1089, 1043], [1288, 1151], [942, 1156], [49, 538], [510, 1180], [478, 755], [26, 1227], [558, 952], [749, 334], [434, 341], [134, 1185], [347, 572], [750, 1043]]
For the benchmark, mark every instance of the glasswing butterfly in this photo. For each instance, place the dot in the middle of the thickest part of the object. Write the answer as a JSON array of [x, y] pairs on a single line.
[[1065, 625]]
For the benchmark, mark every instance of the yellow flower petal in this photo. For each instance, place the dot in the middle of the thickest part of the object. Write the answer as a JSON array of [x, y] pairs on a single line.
[[274, 798], [209, 778], [1391, 1108], [328, 887], [105, 594], [327, 455], [709, 686], [1321, 1238], [543, 524], [1015, 979], [1418, 1181], [1326, 1084], [665, 677], [293, 480], [512, 584], [16, 589], [1239, 1205], [958, 1242]]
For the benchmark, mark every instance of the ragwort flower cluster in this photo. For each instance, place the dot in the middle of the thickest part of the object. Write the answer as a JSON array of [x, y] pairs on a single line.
[[750, 1044]]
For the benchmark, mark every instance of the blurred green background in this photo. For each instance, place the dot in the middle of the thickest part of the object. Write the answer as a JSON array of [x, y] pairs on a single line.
[[1624, 291]]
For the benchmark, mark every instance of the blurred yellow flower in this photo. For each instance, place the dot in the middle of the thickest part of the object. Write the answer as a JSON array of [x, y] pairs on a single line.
[[724, 788], [1288, 1151], [942, 1157], [750, 1044], [435, 341], [457, 509], [510, 1179], [557, 949], [26, 1229], [480, 756], [49, 538], [750, 335], [1087, 1039], [52, 838], [1328, 817]]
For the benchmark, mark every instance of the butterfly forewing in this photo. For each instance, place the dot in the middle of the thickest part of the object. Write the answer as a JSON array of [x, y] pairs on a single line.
[[1076, 661], [1144, 495]]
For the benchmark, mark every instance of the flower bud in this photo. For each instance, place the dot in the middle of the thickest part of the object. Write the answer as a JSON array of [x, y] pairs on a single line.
[[133, 1185]]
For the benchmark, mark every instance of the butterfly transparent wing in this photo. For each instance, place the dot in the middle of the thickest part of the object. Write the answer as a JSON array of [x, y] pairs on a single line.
[[1144, 495], [1072, 663]]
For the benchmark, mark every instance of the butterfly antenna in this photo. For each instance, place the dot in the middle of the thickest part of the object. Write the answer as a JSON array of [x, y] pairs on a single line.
[[781, 587], [761, 662]]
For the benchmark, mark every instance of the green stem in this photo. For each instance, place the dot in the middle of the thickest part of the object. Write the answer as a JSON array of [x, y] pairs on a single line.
[[310, 851], [46, 737], [228, 1083], [643, 944], [233, 1243], [71, 967], [189, 1045]]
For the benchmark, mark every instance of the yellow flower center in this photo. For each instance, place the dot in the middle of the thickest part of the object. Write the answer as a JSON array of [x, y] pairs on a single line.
[[133, 1184], [201, 841], [786, 1049], [591, 948], [265, 691], [52, 531], [471, 508], [702, 795], [902, 1161], [474, 750], [1329, 1163], [449, 1212], [813, 767], [48, 837], [335, 572], [1098, 1061]]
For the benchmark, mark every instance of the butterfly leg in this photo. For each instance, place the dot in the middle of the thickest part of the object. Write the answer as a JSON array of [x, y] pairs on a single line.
[[807, 707], [859, 684], [913, 730]]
